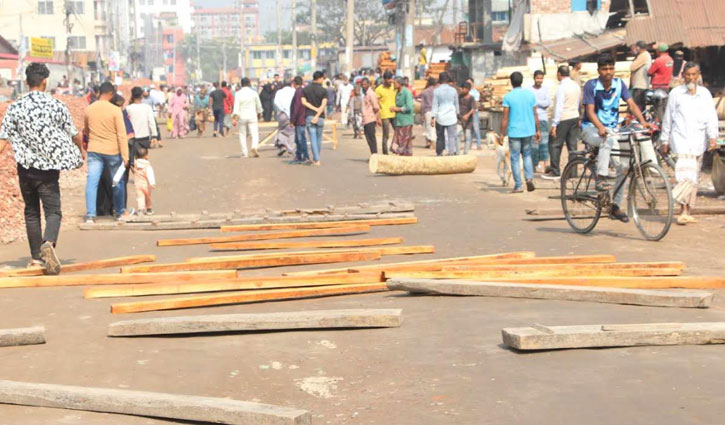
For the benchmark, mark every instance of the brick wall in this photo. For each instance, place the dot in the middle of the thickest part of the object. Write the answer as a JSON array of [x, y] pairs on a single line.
[[545, 7]]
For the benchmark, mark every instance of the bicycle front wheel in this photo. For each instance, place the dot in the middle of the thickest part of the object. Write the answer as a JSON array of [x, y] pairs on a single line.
[[650, 202], [579, 197]]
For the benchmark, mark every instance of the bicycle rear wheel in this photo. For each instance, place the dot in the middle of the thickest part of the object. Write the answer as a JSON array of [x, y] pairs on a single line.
[[579, 197], [650, 202]]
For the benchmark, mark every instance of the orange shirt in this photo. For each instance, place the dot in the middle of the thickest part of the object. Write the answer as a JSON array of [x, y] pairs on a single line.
[[106, 129]]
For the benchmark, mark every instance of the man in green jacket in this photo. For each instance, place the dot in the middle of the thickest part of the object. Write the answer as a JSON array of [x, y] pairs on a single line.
[[403, 138]]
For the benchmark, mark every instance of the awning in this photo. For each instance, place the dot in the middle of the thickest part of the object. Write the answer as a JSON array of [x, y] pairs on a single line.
[[692, 23], [578, 46]]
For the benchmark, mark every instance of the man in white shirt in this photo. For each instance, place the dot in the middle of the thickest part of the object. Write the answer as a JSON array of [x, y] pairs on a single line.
[[247, 111], [285, 132], [689, 128], [565, 124], [476, 119], [343, 99], [540, 150], [445, 115]]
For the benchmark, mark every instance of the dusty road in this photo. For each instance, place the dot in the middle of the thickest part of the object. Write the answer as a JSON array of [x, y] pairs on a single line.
[[445, 365]]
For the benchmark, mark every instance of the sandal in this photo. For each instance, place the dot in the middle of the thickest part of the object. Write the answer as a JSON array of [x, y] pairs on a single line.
[[682, 220], [690, 219]]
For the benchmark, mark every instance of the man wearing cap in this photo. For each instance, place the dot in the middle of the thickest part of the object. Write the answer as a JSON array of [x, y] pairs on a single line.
[[661, 69], [639, 80]]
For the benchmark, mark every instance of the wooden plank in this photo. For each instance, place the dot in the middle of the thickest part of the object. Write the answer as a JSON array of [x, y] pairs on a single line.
[[657, 298], [513, 274], [293, 320], [277, 261], [249, 246], [22, 336], [115, 279], [89, 265], [397, 250], [470, 259], [347, 230], [240, 283], [685, 282], [595, 336], [676, 265], [150, 404], [245, 297], [320, 224]]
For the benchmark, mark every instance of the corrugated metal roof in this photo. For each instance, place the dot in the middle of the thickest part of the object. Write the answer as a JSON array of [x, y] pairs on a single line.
[[694, 23], [570, 48]]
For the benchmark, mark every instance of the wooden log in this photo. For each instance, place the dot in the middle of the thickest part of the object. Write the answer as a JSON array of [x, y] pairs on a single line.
[[115, 279], [320, 224], [22, 336], [218, 223], [396, 250], [459, 260], [335, 231], [320, 319], [599, 336], [658, 298], [246, 297], [688, 282], [150, 404], [241, 283], [548, 272], [89, 265], [422, 165], [244, 246], [278, 261]]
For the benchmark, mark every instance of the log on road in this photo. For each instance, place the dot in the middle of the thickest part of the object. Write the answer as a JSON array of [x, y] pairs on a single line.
[[657, 298], [89, 265], [250, 246], [22, 336], [150, 404], [334, 231], [320, 319], [242, 263], [597, 336], [246, 297], [422, 165]]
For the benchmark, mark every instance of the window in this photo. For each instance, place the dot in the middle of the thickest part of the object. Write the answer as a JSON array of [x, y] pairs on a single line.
[[150, 2], [165, 2], [77, 42], [169, 38], [45, 7], [500, 16], [77, 7], [270, 54], [586, 5], [305, 54], [141, 2], [256, 55], [286, 54], [173, 2]]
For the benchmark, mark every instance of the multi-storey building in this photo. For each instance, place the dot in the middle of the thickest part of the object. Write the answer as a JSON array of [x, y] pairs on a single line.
[[144, 9], [221, 22], [174, 59]]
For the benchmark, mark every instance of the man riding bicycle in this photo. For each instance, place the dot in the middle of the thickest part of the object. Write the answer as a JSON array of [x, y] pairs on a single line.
[[601, 102]]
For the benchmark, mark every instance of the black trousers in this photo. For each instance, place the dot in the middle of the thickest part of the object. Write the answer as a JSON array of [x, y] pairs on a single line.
[[440, 139], [566, 132], [38, 186], [639, 99], [372, 140]]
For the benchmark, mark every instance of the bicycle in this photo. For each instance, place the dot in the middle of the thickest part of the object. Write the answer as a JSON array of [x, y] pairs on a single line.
[[650, 201]]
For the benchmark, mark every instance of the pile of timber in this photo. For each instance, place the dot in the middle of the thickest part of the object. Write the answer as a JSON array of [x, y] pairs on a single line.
[[205, 220], [436, 68]]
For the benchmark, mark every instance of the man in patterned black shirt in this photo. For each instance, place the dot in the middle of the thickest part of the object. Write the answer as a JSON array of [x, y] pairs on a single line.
[[44, 141]]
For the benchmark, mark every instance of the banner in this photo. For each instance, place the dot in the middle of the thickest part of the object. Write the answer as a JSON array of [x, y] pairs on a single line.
[[41, 48]]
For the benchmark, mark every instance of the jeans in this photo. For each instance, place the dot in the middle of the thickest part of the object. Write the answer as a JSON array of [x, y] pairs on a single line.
[[219, 120], [468, 137], [540, 150], [590, 135], [372, 140], [477, 128], [251, 128], [566, 132], [446, 138], [96, 164], [36, 189], [330, 110], [314, 132], [517, 147], [301, 152]]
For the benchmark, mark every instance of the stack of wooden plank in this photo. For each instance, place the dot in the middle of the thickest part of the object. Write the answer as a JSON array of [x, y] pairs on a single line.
[[205, 220], [436, 68]]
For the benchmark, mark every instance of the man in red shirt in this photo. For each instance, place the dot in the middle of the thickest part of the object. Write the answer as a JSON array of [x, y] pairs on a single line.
[[228, 106], [661, 69]]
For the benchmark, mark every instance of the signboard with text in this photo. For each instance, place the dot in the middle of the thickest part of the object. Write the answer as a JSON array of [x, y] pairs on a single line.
[[41, 48]]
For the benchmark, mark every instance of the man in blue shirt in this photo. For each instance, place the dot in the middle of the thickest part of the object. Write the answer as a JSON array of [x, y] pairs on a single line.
[[522, 125], [601, 103]]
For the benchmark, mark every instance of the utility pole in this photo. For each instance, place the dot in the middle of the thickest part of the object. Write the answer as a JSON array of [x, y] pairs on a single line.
[[409, 62], [68, 29], [21, 55], [349, 36], [294, 38], [224, 61], [455, 12], [242, 44], [313, 36], [199, 77], [278, 49]]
